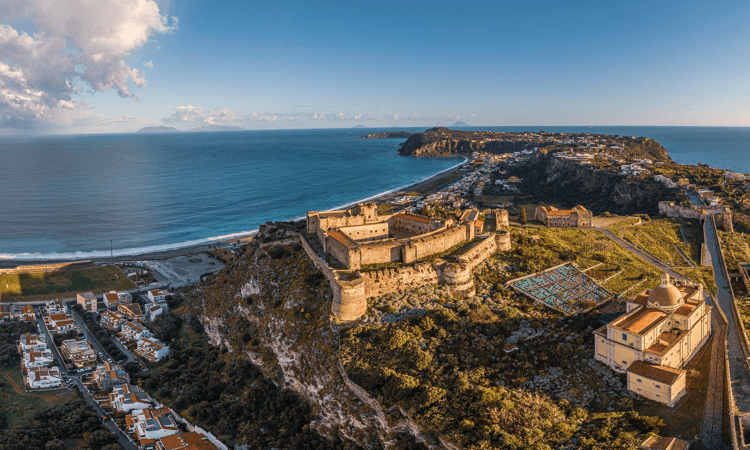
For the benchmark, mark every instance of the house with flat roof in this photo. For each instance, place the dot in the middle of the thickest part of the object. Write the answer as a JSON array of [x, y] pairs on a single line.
[[32, 341], [133, 332], [661, 331], [55, 307], [112, 321], [87, 300], [37, 357], [60, 323], [79, 353]]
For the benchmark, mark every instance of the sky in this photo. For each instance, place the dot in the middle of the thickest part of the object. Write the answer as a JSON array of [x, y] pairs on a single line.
[[102, 66]]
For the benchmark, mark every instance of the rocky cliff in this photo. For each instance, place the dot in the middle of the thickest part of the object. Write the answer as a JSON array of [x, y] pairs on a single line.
[[389, 135], [547, 178], [273, 305]]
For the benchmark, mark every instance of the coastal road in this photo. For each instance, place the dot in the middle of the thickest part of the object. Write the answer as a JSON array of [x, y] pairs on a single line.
[[739, 373]]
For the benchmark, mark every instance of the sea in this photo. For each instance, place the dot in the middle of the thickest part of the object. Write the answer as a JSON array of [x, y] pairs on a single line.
[[87, 196]]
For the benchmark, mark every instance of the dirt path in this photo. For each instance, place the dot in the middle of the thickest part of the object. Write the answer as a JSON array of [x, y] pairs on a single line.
[[15, 385]]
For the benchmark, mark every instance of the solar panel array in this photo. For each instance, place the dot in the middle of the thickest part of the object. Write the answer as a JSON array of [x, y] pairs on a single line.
[[565, 289]]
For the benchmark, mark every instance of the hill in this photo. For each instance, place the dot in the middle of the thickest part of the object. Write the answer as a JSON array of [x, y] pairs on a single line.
[[389, 135], [159, 129], [359, 126], [460, 124], [206, 128]]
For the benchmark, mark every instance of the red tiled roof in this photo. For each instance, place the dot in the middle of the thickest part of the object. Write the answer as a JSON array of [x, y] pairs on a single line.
[[662, 374], [642, 320], [685, 310], [414, 218], [342, 238]]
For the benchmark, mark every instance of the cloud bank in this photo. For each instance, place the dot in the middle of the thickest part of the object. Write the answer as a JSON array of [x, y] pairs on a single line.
[[74, 45]]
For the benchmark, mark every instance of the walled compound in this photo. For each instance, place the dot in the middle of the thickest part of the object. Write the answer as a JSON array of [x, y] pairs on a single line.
[[722, 214], [553, 217], [360, 236]]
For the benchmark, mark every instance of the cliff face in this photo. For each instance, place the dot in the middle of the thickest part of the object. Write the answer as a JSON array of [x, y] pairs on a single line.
[[445, 142], [552, 179], [273, 305]]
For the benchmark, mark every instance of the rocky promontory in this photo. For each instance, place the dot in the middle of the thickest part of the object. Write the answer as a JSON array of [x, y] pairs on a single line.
[[389, 135]]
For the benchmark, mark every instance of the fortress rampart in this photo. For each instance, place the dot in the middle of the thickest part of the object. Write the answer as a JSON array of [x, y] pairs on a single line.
[[362, 239], [722, 214]]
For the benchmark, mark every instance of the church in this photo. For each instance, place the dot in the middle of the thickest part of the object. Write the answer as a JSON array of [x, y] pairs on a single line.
[[662, 329]]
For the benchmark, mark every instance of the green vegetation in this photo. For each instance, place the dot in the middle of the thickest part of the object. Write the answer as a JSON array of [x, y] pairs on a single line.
[[450, 371], [702, 275], [736, 247], [663, 237], [522, 218], [587, 248], [63, 283], [743, 305], [18, 405]]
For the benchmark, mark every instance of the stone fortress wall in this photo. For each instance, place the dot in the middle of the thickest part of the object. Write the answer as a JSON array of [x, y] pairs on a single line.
[[351, 288], [722, 214]]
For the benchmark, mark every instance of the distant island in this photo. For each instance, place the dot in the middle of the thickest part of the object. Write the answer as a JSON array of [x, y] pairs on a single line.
[[460, 124], [159, 129], [359, 126], [203, 129], [389, 135]]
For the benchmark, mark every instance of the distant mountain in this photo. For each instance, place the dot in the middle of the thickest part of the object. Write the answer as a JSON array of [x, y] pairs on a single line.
[[460, 124], [359, 126], [159, 129], [215, 128]]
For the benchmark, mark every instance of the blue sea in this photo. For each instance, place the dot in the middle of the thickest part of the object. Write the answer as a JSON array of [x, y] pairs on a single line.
[[71, 197]]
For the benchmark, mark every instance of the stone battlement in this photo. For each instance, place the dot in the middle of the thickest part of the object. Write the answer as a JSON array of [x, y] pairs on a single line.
[[722, 214]]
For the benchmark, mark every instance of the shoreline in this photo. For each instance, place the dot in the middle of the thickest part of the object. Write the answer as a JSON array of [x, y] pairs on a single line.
[[241, 238]]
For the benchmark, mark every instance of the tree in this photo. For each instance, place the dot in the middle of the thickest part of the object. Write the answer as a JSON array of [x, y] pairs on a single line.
[[522, 219]]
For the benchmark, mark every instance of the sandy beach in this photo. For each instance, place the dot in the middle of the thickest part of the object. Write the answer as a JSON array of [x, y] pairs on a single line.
[[435, 181]]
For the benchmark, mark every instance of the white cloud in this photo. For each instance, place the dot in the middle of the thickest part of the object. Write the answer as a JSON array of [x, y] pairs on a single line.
[[74, 44], [148, 64]]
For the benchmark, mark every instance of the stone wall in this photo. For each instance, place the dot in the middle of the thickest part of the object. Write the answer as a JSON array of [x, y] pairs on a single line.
[[415, 224], [341, 252], [722, 214], [438, 241], [501, 218], [380, 252], [387, 281]]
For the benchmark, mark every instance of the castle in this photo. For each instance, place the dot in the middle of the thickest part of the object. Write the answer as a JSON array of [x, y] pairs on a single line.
[[553, 217], [359, 236], [658, 335], [722, 214]]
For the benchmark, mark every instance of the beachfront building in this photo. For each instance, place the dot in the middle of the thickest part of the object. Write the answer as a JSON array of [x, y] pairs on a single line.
[[87, 300], [564, 218], [128, 397], [108, 375], [79, 353], [44, 378], [152, 349], [661, 331]]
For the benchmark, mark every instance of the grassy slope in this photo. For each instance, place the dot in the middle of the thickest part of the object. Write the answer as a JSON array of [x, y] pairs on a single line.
[[19, 405]]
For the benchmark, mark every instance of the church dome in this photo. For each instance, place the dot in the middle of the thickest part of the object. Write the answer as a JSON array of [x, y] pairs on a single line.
[[665, 295]]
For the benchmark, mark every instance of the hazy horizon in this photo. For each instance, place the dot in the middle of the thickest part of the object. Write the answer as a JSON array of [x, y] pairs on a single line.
[[78, 67]]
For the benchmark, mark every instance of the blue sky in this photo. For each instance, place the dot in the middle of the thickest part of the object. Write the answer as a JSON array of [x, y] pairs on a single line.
[[261, 65]]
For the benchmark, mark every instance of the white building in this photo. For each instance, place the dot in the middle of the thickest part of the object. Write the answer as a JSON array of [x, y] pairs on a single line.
[[152, 350], [32, 341], [154, 311], [150, 423], [44, 377], [113, 298], [157, 295], [653, 341], [55, 307], [134, 332], [128, 397], [37, 357]]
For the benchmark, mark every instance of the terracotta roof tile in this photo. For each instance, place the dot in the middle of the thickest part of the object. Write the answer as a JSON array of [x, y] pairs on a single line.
[[414, 218], [662, 374], [643, 320]]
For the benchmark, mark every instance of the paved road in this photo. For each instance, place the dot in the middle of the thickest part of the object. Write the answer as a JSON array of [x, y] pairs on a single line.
[[738, 368], [122, 438], [712, 432], [95, 342]]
